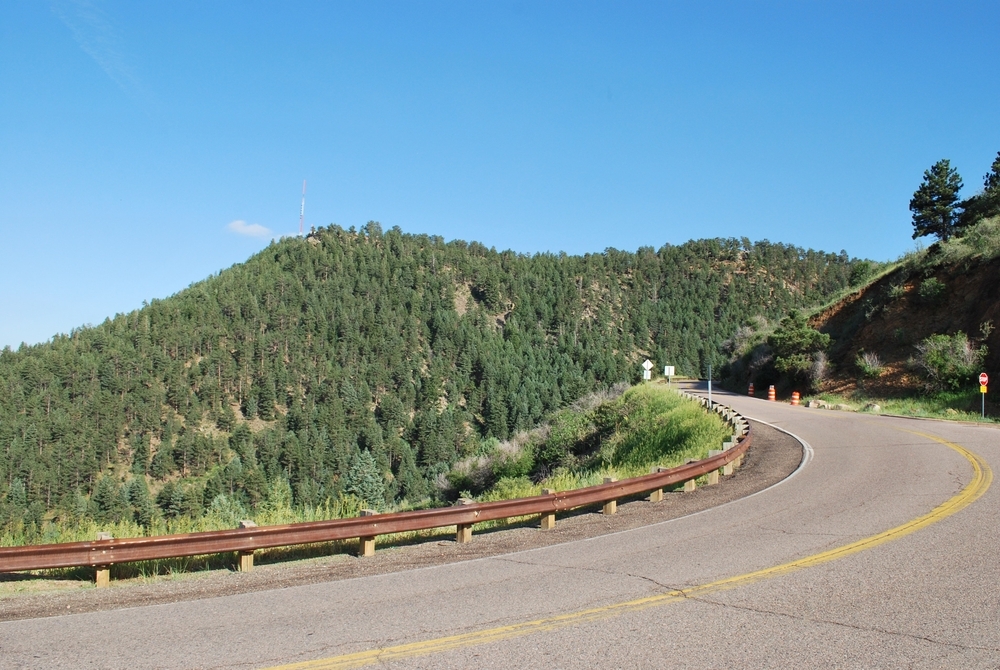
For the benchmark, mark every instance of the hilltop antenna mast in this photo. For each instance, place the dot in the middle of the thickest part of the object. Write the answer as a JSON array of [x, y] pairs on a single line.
[[302, 209]]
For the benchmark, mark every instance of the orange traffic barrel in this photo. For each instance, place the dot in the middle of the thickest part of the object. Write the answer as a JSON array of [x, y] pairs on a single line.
[[770, 393], [795, 397], [750, 390]]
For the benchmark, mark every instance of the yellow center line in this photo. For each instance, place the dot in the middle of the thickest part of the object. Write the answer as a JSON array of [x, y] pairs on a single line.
[[981, 478]]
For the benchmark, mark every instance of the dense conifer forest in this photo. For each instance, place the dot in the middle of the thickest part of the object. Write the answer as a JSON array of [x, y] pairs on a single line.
[[324, 361]]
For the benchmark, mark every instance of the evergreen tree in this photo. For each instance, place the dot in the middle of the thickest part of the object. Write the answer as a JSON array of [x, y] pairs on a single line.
[[933, 203], [364, 480], [17, 496], [109, 504], [140, 504], [987, 203]]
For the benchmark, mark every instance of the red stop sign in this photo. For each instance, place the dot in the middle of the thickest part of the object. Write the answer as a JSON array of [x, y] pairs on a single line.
[[984, 378]]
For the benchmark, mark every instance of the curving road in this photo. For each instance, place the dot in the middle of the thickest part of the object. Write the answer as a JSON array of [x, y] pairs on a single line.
[[880, 551]]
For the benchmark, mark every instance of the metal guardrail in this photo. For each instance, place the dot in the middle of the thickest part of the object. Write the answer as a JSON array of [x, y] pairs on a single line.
[[103, 553]]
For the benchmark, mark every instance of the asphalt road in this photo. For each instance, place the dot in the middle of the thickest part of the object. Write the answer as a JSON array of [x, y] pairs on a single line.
[[881, 551]]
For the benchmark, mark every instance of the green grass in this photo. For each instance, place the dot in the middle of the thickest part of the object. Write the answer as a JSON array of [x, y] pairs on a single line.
[[661, 428], [955, 405]]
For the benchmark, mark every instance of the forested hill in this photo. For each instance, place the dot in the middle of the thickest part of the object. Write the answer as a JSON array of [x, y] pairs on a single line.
[[315, 350]]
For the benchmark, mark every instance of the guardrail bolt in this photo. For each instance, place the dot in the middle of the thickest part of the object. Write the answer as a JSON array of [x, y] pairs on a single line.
[[611, 506], [366, 544], [548, 520]]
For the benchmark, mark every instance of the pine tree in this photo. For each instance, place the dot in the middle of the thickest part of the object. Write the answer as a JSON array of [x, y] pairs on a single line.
[[365, 481], [987, 203], [139, 501], [109, 504], [933, 204]]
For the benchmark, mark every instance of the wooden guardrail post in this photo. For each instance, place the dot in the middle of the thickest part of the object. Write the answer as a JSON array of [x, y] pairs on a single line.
[[611, 506], [102, 574], [246, 557], [712, 477], [656, 495], [463, 531], [548, 520], [366, 544], [690, 485]]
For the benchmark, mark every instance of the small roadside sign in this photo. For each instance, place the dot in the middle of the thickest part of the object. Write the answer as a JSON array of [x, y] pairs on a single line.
[[984, 379], [646, 365], [646, 370], [668, 371]]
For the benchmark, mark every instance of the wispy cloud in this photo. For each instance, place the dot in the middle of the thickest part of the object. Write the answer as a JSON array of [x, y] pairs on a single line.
[[97, 36], [249, 229]]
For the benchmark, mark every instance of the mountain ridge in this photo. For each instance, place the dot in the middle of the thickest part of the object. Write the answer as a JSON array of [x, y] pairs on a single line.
[[287, 366]]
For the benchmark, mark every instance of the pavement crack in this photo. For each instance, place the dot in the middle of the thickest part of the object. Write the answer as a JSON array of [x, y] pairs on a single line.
[[783, 531], [613, 573], [842, 624]]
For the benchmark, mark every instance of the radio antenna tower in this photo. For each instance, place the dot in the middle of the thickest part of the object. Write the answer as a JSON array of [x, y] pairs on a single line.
[[302, 209]]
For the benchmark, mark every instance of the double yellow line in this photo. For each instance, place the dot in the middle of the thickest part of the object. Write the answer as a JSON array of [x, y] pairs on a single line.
[[981, 479]]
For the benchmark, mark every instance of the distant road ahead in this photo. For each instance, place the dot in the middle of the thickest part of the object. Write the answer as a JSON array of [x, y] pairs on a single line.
[[801, 575]]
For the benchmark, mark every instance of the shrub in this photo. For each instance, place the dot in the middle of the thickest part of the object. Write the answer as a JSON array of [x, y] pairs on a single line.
[[869, 364], [949, 361], [819, 370], [795, 343], [932, 291]]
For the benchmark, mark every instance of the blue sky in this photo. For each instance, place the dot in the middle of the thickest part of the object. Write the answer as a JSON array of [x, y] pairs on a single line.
[[134, 135]]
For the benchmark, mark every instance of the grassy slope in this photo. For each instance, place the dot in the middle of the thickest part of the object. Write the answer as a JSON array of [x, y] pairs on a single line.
[[659, 427]]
